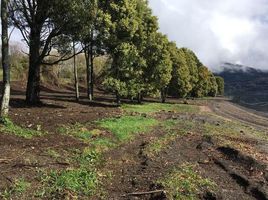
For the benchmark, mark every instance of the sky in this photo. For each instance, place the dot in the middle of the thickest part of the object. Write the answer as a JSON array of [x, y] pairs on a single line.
[[218, 31]]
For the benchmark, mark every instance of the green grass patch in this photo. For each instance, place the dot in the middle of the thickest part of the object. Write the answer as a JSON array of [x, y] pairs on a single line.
[[11, 128], [185, 183], [57, 184], [126, 127], [80, 180], [149, 108]]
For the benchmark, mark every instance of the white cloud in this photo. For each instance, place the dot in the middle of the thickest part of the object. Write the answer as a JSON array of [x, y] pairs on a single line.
[[218, 31]]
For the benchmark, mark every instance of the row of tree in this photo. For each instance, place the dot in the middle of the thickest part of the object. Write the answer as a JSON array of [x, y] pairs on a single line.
[[142, 60]]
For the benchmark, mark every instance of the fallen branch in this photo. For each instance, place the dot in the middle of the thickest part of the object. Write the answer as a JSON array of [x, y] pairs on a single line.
[[144, 193]]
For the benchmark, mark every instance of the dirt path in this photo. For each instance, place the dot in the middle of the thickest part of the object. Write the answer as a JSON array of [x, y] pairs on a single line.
[[229, 110]]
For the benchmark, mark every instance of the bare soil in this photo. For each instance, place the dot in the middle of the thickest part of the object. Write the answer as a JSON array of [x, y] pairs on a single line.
[[237, 175]]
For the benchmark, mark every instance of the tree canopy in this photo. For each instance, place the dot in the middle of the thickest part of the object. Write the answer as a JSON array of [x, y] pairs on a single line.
[[142, 61]]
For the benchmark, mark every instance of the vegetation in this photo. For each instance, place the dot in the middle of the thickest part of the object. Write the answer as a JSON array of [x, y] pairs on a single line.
[[9, 127], [77, 130], [141, 61], [82, 180], [149, 108], [19, 187], [185, 182], [126, 127]]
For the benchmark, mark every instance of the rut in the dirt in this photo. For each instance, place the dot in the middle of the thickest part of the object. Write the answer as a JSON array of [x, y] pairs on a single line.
[[142, 174]]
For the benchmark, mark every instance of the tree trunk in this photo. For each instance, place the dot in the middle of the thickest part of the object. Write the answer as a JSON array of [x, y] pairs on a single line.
[[163, 95], [87, 57], [76, 84], [5, 60], [91, 73], [118, 98], [33, 84], [139, 97], [90, 70]]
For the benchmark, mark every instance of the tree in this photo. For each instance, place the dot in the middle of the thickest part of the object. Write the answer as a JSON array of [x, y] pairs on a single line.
[[40, 23], [220, 83], [125, 24], [213, 86], [201, 88], [180, 84], [5, 59], [157, 75], [95, 24]]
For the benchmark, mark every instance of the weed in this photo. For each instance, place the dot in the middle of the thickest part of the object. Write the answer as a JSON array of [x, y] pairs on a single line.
[[126, 127], [10, 127], [185, 183]]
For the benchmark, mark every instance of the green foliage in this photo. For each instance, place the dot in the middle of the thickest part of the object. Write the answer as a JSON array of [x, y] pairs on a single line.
[[157, 75], [180, 84], [126, 127], [158, 107], [185, 183], [201, 88], [10, 127], [193, 64], [213, 86], [220, 83]]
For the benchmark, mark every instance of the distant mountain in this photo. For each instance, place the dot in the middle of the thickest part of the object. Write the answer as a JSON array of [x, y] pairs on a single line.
[[246, 85]]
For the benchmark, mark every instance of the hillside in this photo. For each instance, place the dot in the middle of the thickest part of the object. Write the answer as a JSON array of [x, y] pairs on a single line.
[[63, 149], [246, 85]]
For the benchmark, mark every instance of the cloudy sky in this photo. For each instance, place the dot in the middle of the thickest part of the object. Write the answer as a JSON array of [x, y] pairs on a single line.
[[218, 30]]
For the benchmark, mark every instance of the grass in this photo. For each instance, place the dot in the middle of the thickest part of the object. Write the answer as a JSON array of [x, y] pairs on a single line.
[[18, 188], [173, 130], [77, 130], [52, 153], [11, 128], [79, 180], [149, 108], [185, 183], [57, 184], [126, 127], [234, 129]]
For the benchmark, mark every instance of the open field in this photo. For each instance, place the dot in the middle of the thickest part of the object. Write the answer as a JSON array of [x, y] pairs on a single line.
[[206, 149]]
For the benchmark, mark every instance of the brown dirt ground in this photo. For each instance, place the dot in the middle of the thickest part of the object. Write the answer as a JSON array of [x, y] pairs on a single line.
[[236, 175]]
